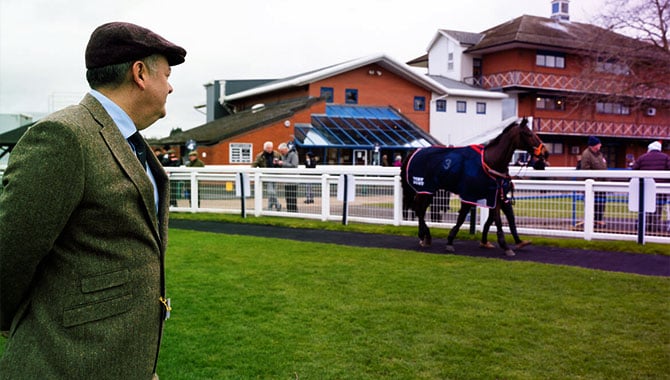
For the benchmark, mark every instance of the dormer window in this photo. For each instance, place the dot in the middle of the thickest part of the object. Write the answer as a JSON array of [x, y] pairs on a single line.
[[560, 10]]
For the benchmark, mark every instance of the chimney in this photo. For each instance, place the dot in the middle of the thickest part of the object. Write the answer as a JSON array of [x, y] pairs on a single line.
[[560, 10], [214, 108]]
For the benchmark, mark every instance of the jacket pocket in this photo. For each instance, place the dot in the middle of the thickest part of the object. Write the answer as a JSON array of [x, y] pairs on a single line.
[[102, 296]]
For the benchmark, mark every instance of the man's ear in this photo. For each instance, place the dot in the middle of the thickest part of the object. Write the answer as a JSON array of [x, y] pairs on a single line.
[[139, 72]]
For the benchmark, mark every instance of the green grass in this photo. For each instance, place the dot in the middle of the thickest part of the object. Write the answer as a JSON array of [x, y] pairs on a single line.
[[259, 308], [262, 308]]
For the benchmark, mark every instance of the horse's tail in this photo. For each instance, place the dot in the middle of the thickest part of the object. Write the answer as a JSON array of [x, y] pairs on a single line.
[[408, 192]]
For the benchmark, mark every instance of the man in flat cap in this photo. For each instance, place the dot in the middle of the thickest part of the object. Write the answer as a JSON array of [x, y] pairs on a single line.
[[593, 159], [84, 220]]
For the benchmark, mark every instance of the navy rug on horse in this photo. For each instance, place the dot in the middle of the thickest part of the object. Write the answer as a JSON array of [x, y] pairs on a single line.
[[459, 170], [476, 173]]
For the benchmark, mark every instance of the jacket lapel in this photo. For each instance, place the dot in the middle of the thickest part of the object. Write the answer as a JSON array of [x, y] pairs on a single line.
[[129, 163]]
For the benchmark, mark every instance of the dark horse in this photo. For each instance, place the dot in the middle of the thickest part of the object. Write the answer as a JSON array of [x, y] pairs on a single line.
[[474, 172]]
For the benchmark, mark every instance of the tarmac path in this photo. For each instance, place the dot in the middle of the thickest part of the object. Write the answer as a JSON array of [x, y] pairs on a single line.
[[643, 264]]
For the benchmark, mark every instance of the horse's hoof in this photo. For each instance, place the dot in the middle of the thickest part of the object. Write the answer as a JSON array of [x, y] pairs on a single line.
[[424, 243], [486, 245], [450, 248], [509, 253]]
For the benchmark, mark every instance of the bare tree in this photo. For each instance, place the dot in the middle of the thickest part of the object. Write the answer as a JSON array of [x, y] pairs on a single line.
[[646, 20], [627, 54]]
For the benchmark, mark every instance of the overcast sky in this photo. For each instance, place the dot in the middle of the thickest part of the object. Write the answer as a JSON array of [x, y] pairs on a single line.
[[42, 42]]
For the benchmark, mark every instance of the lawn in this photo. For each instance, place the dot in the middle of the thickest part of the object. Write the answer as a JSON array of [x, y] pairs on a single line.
[[247, 307], [261, 308]]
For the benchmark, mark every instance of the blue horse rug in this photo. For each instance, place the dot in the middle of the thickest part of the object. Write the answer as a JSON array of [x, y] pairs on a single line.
[[459, 170]]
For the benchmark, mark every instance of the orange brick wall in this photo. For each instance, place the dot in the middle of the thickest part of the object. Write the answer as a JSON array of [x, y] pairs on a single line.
[[387, 89]]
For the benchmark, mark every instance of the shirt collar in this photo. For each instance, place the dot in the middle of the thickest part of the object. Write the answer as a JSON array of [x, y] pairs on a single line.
[[118, 115]]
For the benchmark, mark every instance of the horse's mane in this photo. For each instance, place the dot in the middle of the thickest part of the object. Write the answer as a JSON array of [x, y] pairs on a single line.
[[496, 140]]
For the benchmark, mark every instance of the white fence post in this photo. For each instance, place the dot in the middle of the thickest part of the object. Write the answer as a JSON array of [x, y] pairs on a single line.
[[397, 201], [325, 197], [589, 203], [258, 194], [194, 191]]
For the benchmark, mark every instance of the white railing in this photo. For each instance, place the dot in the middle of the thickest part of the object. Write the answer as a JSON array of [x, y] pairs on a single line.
[[554, 202]]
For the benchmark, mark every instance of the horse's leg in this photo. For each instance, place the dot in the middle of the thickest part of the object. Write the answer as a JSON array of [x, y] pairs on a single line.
[[501, 235], [462, 214], [421, 202]]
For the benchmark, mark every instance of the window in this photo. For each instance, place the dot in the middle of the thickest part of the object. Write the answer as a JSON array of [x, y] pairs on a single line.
[[612, 66], [549, 59], [612, 108], [550, 103], [328, 93], [477, 71], [554, 148], [351, 96], [481, 108], [461, 106], [419, 103], [441, 105], [450, 61], [240, 153]]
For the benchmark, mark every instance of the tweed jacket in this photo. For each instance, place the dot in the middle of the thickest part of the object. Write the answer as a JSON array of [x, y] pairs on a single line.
[[81, 252]]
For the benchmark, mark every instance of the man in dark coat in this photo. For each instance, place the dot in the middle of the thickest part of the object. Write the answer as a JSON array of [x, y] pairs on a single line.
[[593, 159], [654, 159], [84, 221]]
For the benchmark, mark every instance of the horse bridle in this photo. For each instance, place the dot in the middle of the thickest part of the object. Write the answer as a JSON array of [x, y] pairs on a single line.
[[537, 151]]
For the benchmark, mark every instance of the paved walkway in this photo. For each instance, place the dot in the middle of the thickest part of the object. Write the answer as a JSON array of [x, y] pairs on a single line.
[[649, 265]]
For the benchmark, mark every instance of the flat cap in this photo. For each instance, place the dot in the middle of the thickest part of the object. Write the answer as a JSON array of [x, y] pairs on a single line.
[[120, 42]]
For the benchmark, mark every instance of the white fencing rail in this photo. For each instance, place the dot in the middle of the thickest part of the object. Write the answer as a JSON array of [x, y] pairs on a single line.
[[554, 202]]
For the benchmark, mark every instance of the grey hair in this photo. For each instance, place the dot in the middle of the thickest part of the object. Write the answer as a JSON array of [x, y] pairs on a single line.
[[115, 75]]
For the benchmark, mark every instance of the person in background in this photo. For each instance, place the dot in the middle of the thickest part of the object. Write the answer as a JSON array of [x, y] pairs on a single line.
[[194, 161], [289, 159], [385, 160], [397, 161], [593, 159], [655, 159], [310, 163], [269, 158], [171, 160], [84, 222]]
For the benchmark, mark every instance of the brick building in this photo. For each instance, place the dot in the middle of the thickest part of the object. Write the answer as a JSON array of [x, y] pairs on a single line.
[[574, 79]]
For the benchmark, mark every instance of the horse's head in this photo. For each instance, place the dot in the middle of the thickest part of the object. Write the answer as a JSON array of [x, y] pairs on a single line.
[[529, 141], [517, 135]]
